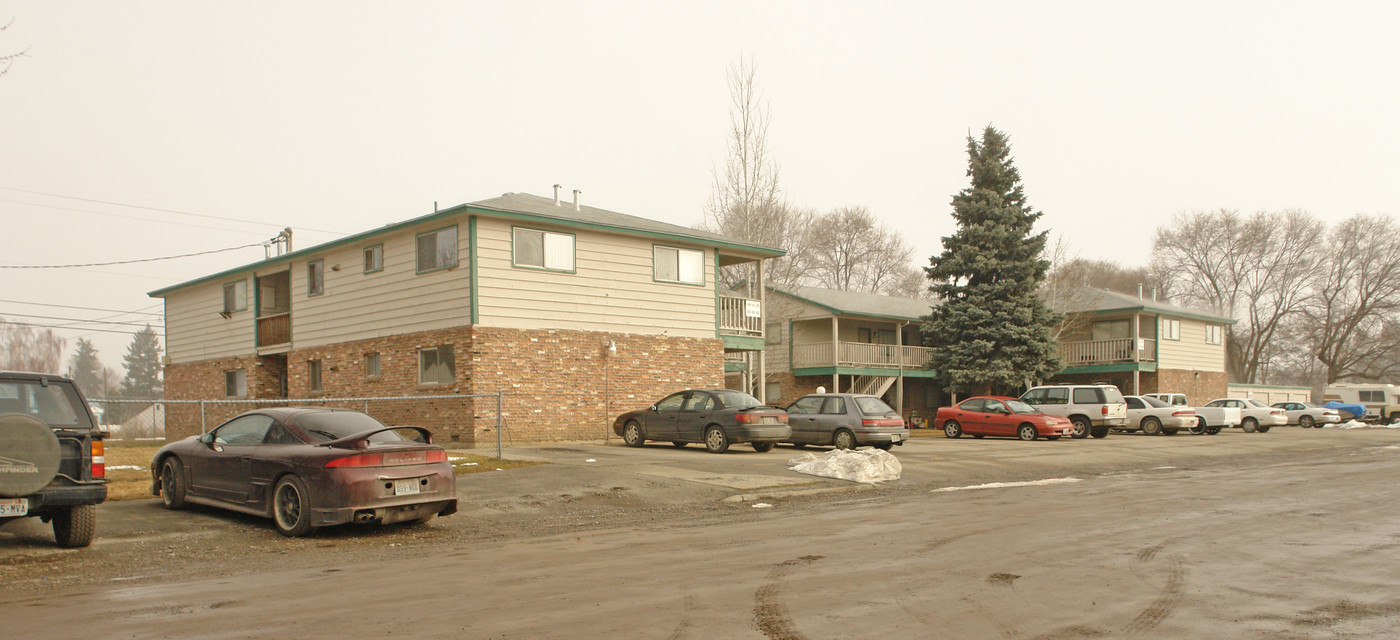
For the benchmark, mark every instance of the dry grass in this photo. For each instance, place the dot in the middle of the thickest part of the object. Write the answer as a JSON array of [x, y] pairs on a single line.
[[124, 483]]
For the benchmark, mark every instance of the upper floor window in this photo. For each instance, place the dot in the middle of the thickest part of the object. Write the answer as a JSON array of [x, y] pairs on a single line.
[[235, 296], [374, 258], [673, 264], [1171, 329], [315, 277], [1214, 334], [437, 249], [543, 249]]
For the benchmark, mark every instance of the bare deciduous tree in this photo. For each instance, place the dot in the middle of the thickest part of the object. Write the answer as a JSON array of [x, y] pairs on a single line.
[[851, 250], [25, 348], [8, 59], [1355, 312], [1257, 269], [747, 201]]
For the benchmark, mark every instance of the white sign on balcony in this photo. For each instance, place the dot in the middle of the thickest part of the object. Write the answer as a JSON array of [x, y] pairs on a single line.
[[752, 310]]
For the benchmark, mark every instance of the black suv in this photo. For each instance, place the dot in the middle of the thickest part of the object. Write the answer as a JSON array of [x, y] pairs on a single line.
[[51, 462]]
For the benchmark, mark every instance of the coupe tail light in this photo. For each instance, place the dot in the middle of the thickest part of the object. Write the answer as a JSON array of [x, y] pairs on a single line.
[[746, 418], [391, 459], [99, 460], [362, 460]]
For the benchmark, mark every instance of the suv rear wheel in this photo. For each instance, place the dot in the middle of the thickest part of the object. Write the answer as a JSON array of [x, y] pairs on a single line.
[[1081, 427], [74, 526]]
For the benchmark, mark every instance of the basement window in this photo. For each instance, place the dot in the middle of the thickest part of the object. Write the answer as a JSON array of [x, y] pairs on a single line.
[[236, 383], [315, 375], [437, 365]]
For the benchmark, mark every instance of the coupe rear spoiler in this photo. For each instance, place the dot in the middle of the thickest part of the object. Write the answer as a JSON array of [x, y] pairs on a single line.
[[353, 441]]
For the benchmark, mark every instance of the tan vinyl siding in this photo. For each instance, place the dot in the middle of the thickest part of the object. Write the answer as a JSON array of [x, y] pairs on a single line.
[[1191, 352], [395, 300], [612, 289], [195, 330]]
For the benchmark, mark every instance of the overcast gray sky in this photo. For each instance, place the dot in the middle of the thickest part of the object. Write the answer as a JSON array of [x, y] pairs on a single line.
[[336, 117]]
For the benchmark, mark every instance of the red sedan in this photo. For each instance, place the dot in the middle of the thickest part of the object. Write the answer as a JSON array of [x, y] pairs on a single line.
[[1000, 416]]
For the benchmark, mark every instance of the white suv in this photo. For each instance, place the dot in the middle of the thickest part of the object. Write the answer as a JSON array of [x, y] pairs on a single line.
[[1093, 408]]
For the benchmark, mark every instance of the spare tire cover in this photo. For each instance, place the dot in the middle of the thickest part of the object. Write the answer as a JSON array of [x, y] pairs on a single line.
[[29, 455]]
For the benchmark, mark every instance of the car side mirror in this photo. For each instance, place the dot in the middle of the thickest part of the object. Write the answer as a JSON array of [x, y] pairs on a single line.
[[652, 407], [207, 438]]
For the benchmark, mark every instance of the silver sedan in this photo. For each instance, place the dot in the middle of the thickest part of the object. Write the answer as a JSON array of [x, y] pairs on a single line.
[[1308, 415], [1153, 416]]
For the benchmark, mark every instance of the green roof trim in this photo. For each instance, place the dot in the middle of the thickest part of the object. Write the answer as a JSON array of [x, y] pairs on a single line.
[[864, 371], [743, 343], [1110, 368], [520, 206]]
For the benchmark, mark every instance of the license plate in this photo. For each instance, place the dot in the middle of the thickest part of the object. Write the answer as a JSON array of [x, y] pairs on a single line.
[[406, 487], [14, 506], [770, 420], [894, 438]]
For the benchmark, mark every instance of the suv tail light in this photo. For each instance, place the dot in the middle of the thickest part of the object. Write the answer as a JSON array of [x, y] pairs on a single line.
[[1104, 409], [99, 460]]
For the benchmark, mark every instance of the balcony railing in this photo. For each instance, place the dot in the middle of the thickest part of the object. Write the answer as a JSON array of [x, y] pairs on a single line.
[[274, 329], [740, 316], [859, 354], [1078, 354]]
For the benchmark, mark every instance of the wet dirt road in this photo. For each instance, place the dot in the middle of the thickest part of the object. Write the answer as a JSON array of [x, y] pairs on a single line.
[[1292, 546]]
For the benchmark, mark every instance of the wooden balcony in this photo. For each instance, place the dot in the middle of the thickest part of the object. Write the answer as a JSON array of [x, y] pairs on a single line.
[[740, 316], [275, 329], [859, 354], [1079, 354]]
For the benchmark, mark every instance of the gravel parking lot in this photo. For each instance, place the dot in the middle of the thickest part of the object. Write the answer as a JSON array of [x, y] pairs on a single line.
[[592, 529]]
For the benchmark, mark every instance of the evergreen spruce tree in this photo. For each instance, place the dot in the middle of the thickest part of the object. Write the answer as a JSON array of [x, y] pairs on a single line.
[[142, 362], [990, 331], [86, 369]]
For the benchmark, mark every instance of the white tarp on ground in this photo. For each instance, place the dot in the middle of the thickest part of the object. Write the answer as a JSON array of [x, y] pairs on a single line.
[[866, 464], [1352, 424]]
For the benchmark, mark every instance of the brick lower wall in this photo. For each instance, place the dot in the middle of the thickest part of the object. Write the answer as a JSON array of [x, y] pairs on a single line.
[[559, 385], [1200, 387]]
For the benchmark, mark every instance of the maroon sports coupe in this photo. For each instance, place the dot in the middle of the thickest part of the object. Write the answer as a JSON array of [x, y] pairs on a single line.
[[307, 467]]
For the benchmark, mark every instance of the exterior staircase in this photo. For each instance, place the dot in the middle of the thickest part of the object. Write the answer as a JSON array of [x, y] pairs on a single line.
[[871, 385]]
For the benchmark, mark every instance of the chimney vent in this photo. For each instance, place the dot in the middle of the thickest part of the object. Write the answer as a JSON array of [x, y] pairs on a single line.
[[576, 192], [556, 195]]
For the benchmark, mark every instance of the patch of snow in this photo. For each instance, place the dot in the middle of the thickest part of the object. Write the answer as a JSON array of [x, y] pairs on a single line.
[[1156, 468], [119, 467], [866, 464], [1353, 424], [1003, 485], [590, 460], [762, 505]]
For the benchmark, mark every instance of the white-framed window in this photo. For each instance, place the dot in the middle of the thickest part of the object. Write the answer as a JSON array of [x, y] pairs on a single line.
[[315, 277], [374, 258], [1215, 334], [538, 249], [314, 367], [437, 365], [673, 264], [235, 296], [236, 383], [1171, 329], [371, 365], [437, 249]]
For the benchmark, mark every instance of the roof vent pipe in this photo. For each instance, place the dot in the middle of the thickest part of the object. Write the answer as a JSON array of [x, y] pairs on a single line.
[[576, 192], [556, 195], [1154, 294], [1139, 291]]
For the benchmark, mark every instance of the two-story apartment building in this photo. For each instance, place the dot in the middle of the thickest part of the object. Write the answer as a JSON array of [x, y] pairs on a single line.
[[849, 342], [575, 312], [1141, 345]]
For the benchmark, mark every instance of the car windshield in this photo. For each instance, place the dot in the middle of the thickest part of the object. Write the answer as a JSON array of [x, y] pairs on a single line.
[[324, 426], [873, 406], [55, 403], [1019, 407], [1153, 402], [737, 400]]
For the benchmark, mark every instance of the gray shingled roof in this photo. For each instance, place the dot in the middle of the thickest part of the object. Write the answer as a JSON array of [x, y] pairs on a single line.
[[854, 303], [1087, 299], [526, 206]]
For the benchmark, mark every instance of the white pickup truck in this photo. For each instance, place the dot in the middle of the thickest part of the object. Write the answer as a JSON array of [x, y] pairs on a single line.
[[1216, 415]]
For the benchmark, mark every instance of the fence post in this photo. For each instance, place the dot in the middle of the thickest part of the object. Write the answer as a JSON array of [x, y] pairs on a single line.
[[202, 429], [499, 423]]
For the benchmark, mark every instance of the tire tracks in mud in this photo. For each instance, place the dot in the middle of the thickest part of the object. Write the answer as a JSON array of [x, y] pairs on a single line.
[[1170, 597], [771, 616]]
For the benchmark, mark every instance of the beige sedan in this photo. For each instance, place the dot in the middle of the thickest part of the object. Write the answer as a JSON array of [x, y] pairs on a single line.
[[1153, 417]]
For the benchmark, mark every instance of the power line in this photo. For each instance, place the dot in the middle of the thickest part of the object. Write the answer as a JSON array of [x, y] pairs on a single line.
[[108, 264], [50, 326], [127, 217], [141, 311], [79, 320], [176, 211]]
